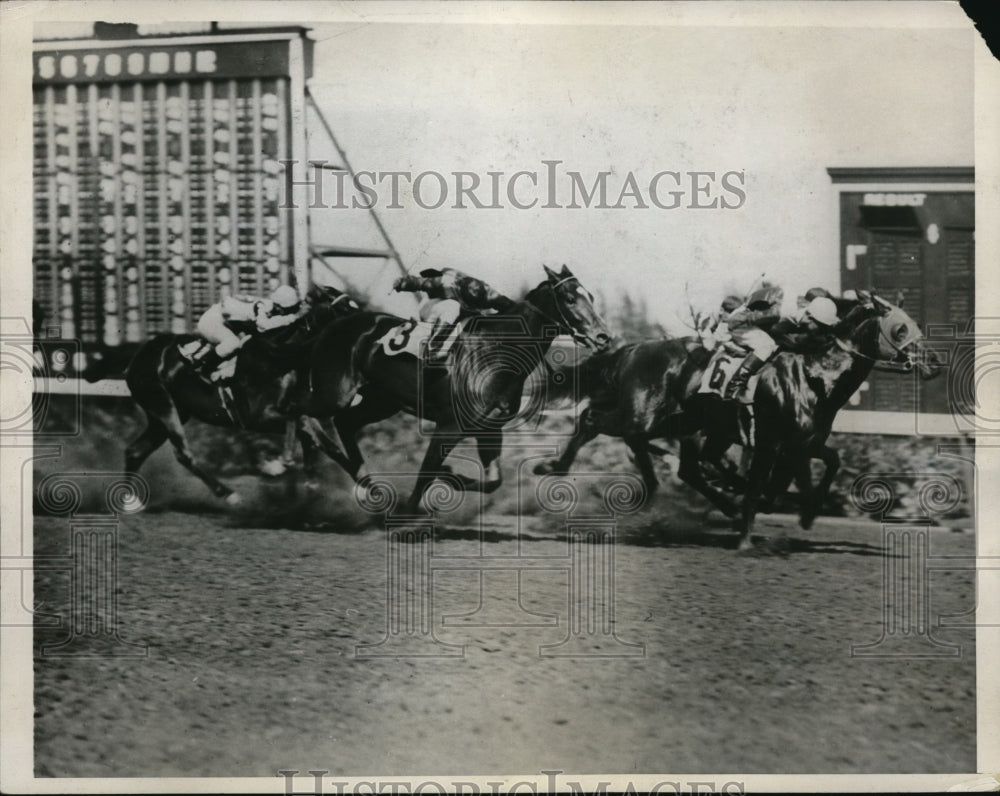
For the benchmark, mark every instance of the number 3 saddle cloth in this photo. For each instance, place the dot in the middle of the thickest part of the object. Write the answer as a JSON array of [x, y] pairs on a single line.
[[421, 339]]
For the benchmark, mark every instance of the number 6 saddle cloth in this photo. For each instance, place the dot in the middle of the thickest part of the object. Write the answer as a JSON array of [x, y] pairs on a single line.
[[421, 339], [721, 368]]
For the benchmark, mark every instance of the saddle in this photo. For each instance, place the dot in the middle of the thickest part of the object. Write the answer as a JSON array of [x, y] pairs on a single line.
[[429, 342], [721, 368]]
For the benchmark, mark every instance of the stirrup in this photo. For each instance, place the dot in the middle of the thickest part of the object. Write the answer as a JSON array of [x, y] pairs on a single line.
[[736, 387]]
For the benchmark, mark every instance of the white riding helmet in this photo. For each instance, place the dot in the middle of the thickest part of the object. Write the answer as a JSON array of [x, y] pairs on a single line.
[[822, 310], [285, 296]]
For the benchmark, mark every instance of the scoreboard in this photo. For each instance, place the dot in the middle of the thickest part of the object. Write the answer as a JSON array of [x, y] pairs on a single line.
[[910, 231], [159, 174]]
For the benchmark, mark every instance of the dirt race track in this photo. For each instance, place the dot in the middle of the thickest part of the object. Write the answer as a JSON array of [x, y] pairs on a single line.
[[251, 634]]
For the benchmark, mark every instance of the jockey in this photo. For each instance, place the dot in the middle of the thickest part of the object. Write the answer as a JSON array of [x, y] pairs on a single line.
[[746, 325], [817, 314], [812, 293], [451, 295], [810, 326], [281, 309]]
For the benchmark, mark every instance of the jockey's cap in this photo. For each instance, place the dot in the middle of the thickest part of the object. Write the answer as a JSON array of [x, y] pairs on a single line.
[[816, 292], [285, 296], [822, 310]]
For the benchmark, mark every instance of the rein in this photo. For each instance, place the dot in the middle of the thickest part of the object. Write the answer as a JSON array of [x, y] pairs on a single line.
[[561, 321], [882, 364]]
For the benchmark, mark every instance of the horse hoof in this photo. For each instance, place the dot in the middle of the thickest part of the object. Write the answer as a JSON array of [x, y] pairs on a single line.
[[806, 522], [746, 546], [234, 499], [273, 468]]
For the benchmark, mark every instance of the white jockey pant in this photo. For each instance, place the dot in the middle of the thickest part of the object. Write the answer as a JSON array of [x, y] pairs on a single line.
[[440, 310], [212, 326], [757, 340]]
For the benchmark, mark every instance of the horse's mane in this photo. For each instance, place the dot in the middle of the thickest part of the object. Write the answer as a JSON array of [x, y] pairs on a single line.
[[848, 310]]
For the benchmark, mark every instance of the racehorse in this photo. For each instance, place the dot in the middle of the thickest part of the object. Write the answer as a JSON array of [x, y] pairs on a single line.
[[654, 394], [355, 382], [168, 388]]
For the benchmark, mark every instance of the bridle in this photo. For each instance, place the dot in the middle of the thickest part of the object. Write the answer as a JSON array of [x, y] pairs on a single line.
[[562, 322], [882, 364]]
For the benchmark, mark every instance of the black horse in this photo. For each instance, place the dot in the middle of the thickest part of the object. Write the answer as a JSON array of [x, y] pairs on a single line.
[[648, 391], [475, 394], [168, 388]]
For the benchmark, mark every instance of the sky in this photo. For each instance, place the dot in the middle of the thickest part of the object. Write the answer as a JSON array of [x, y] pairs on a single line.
[[779, 105], [775, 103]]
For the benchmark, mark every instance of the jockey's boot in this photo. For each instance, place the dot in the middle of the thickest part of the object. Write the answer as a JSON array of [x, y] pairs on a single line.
[[207, 363], [738, 383]]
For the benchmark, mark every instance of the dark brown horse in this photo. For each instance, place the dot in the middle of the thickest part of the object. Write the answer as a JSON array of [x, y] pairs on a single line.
[[648, 391], [475, 394], [165, 384]]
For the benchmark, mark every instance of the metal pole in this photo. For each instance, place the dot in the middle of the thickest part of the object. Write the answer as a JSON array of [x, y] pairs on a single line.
[[350, 170]]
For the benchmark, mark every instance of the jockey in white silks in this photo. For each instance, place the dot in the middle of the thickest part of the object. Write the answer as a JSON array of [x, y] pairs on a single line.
[[752, 324], [282, 308]]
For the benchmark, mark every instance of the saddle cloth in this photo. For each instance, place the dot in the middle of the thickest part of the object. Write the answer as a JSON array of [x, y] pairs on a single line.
[[193, 352], [420, 339], [719, 373]]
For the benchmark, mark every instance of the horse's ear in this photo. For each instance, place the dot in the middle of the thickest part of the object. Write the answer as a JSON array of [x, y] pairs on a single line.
[[552, 275], [865, 297], [565, 272], [900, 298], [881, 304]]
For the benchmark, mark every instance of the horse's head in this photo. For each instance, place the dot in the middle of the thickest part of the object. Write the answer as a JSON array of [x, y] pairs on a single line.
[[900, 343], [572, 306], [326, 303]]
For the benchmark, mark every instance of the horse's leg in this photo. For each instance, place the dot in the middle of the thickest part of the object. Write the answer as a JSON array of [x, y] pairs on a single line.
[[713, 452], [690, 473], [288, 451], [810, 508], [761, 467], [584, 434], [640, 447], [490, 447], [777, 486], [349, 423], [310, 457], [175, 432], [442, 442], [154, 435], [311, 432]]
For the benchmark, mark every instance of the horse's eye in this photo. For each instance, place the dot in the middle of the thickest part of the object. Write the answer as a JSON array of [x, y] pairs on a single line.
[[571, 299], [899, 332]]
